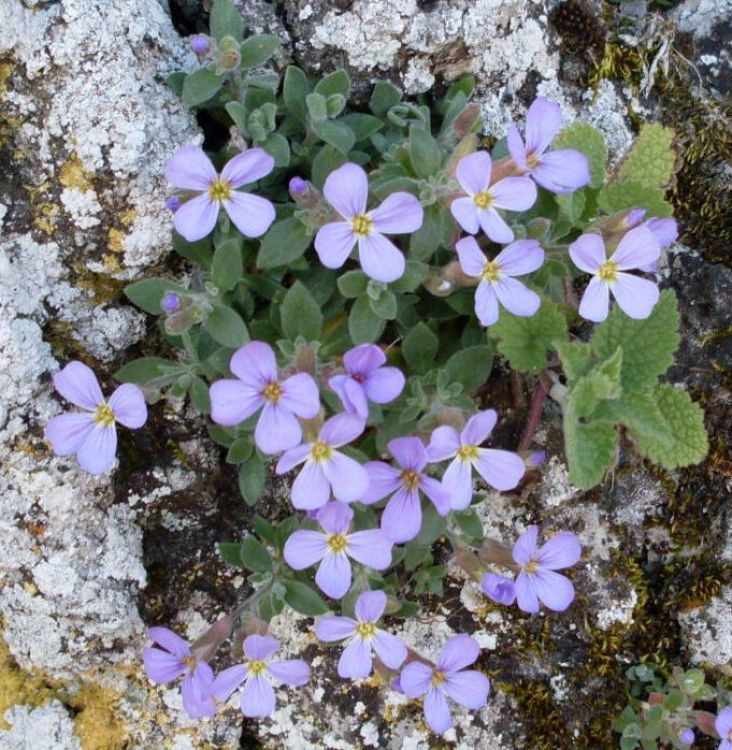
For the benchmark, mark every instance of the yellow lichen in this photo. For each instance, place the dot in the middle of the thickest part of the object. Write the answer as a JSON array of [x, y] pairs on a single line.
[[73, 174], [116, 240], [98, 723], [46, 216]]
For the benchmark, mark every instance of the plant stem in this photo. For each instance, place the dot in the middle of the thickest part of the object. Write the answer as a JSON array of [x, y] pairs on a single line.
[[537, 406]]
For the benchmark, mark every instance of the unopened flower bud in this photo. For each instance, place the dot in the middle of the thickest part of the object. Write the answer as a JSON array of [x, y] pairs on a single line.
[[200, 44], [298, 187], [172, 203], [170, 302], [537, 458], [687, 736]]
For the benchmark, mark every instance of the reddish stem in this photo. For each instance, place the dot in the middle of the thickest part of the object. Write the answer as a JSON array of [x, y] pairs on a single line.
[[537, 406]]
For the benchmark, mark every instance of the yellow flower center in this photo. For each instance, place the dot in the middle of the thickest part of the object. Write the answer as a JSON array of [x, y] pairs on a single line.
[[491, 271], [362, 225], [608, 271], [467, 452], [321, 452], [365, 630], [272, 392], [532, 161], [104, 416], [219, 190], [437, 678], [256, 667], [483, 200], [410, 479], [189, 662], [532, 567], [337, 543]]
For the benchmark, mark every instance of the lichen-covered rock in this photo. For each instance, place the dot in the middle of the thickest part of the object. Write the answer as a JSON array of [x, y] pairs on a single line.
[[48, 726], [707, 632]]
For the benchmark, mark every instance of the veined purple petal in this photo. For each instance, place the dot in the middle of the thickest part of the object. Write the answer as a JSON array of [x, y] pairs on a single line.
[[169, 640], [300, 395], [666, 230], [340, 430], [444, 443], [474, 172], [197, 692], [486, 304], [469, 688], [227, 681], [249, 166], [415, 679], [371, 548], [370, 606], [516, 146], [383, 480], [232, 402], [588, 252], [472, 258], [257, 698], [595, 301], [384, 385], [516, 297], [526, 597], [335, 518], [252, 214], [436, 710], [190, 169], [334, 243], [459, 651], [351, 394], [495, 227], [67, 432], [277, 429], [636, 297], [347, 190], [543, 121], [348, 479], [436, 493], [380, 258], [389, 649], [260, 647], [293, 672], [334, 628], [525, 547], [465, 213], [356, 661], [479, 427], [723, 722], [560, 551], [400, 213], [458, 483], [554, 590], [290, 459], [363, 359], [334, 575], [311, 488], [520, 257], [502, 470], [638, 247], [254, 364], [304, 548], [409, 452], [96, 453], [514, 193], [128, 404], [500, 589], [402, 517], [562, 171], [78, 383], [162, 667], [196, 218]]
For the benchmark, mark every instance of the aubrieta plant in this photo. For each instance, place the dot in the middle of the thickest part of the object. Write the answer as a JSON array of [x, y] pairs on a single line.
[[355, 271]]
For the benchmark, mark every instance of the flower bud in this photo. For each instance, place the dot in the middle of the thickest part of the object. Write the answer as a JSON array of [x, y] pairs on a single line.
[[200, 44], [172, 203], [687, 736], [298, 187], [170, 302]]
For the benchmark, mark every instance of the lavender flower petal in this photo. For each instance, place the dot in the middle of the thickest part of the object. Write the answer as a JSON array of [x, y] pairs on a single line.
[[383, 480], [190, 169], [637, 297], [479, 427], [458, 482], [472, 258], [516, 146], [415, 679], [356, 661], [334, 575], [162, 667], [67, 432], [169, 640], [562, 171], [227, 681], [197, 692], [520, 257], [474, 172], [252, 214], [311, 488], [300, 395], [587, 252], [389, 649], [254, 364], [257, 698], [469, 688], [363, 359], [290, 459], [543, 121], [665, 230], [232, 402], [436, 493], [335, 518], [495, 226], [249, 166], [348, 479], [554, 590], [560, 551], [400, 213], [436, 711], [409, 452], [486, 304], [502, 470], [638, 247], [514, 193], [196, 218], [334, 628], [380, 258], [351, 394], [304, 548], [277, 429], [96, 453], [517, 298], [384, 385], [402, 517], [595, 301], [500, 589], [128, 404], [465, 213], [370, 606], [526, 597], [347, 190], [459, 651], [370, 548], [334, 243], [260, 647], [293, 672], [444, 443], [723, 722], [78, 383], [341, 429]]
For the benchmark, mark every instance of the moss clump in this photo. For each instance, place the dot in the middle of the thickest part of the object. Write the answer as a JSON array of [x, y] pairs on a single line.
[[98, 723]]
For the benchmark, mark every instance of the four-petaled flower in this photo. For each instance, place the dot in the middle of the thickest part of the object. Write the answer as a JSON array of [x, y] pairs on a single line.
[[402, 517], [356, 659], [478, 210], [636, 296], [447, 679], [502, 470], [332, 549], [498, 588], [259, 387], [325, 468], [163, 666], [258, 697], [723, 725], [562, 171], [91, 434], [347, 190], [537, 581], [190, 170], [366, 380], [666, 231]]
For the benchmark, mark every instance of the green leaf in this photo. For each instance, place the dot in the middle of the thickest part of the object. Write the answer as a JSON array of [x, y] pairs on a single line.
[[419, 348], [576, 359], [352, 284], [238, 113], [147, 293], [226, 326], [414, 274], [384, 96], [254, 556], [337, 82], [278, 147], [600, 383], [317, 107], [227, 268], [252, 479], [590, 448], [364, 325], [198, 391], [648, 345], [284, 243], [200, 86], [385, 305], [226, 20], [431, 235], [651, 159], [424, 152], [240, 450], [525, 341], [469, 523], [625, 194], [591, 142], [338, 135], [301, 314], [229, 552], [363, 126], [256, 50], [143, 370], [295, 89], [304, 599], [470, 367]]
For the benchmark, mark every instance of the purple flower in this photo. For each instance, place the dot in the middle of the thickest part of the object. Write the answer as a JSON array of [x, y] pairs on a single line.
[[636, 296], [366, 380], [356, 661], [562, 171], [172, 203], [448, 679], [191, 170], [496, 277], [332, 549], [665, 230], [258, 385], [163, 666], [500, 589], [478, 210], [537, 581], [200, 44], [258, 697], [170, 302], [402, 516], [91, 434], [502, 470], [687, 736], [723, 725], [297, 186], [325, 468], [347, 190]]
